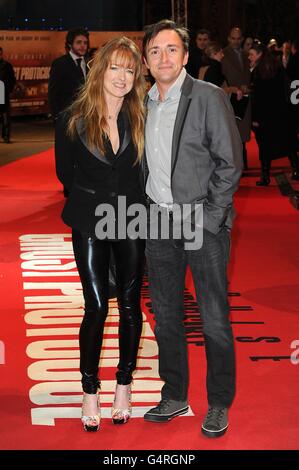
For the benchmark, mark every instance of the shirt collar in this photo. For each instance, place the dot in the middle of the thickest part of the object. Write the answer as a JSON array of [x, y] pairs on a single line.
[[173, 92], [75, 56]]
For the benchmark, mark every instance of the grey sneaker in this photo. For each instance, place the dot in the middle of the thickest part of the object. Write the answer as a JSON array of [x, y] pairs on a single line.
[[166, 410], [215, 423]]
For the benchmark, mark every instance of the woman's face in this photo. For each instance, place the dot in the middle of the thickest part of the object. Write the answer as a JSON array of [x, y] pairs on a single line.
[[253, 57], [218, 55], [247, 44], [118, 78]]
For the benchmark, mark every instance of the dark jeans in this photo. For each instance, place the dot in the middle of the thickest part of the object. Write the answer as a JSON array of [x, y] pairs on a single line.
[[167, 263], [92, 258]]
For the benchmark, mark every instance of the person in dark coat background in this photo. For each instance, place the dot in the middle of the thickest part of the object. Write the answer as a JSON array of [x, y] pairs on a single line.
[[271, 119], [235, 67], [212, 71], [7, 76], [195, 60], [67, 75], [292, 71], [68, 72]]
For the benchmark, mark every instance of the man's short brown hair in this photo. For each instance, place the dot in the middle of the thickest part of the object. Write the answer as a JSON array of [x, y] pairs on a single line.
[[151, 31]]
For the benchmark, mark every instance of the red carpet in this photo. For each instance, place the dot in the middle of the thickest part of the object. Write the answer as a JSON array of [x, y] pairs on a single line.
[[41, 309]]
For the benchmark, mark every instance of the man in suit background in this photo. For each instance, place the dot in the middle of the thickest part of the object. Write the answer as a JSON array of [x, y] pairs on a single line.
[[68, 74], [235, 67], [193, 154], [7, 76]]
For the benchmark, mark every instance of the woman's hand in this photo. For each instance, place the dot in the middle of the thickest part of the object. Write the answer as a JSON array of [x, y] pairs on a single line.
[[255, 124]]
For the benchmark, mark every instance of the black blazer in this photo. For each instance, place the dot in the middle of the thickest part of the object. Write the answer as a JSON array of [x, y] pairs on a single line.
[[92, 178], [64, 82]]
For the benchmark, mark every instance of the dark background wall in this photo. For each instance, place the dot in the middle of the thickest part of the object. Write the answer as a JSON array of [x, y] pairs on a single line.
[[105, 15], [261, 18]]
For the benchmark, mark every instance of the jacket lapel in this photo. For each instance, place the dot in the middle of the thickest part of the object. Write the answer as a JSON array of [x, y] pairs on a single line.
[[94, 151], [82, 134], [127, 135], [184, 104]]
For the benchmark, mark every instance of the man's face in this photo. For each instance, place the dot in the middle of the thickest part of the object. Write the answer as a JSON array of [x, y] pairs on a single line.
[[166, 56], [235, 39], [80, 46], [202, 41]]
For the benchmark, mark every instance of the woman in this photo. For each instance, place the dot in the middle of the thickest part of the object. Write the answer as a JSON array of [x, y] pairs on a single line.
[[247, 44], [212, 71], [270, 113], [99, 144]]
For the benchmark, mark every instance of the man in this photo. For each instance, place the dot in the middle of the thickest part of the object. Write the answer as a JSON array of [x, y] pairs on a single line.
[[235, 67], [193, 153], [7, 76], [195, 61], [68, 72]]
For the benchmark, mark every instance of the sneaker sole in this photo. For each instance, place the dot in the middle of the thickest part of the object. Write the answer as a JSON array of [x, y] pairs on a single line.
[[214, 433], [164, 419]]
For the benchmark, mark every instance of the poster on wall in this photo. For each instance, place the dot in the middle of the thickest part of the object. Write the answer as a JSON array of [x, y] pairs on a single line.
[[31, 54]]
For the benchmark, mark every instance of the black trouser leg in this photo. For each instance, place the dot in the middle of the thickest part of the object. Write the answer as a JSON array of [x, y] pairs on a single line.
[[6, 126], [294, 161], [265, 170], [129, 260], [92, 258]]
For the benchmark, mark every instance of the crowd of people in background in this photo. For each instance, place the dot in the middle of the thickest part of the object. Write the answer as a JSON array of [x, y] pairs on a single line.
[[259, 78], [256, 76]]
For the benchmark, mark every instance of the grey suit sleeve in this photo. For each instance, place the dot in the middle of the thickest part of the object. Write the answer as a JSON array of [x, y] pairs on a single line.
[[226, 151]]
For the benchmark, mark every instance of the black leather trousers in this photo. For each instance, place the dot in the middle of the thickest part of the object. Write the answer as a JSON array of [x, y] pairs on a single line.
[[92, 258]]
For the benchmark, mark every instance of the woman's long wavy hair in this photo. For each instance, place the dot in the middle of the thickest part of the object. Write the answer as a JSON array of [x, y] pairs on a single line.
[[91, 104]]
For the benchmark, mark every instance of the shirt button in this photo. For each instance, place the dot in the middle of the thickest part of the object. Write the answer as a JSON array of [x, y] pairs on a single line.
[[156, 150]]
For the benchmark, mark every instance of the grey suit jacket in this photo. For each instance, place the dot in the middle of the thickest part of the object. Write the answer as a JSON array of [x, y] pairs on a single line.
[[206, 153]]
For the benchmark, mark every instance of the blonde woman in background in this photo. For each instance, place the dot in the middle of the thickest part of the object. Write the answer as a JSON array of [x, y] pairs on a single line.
[[212, 71]]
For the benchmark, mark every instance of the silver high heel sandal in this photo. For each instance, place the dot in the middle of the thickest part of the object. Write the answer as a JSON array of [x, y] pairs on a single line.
[[122, 415], [91, 423]]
